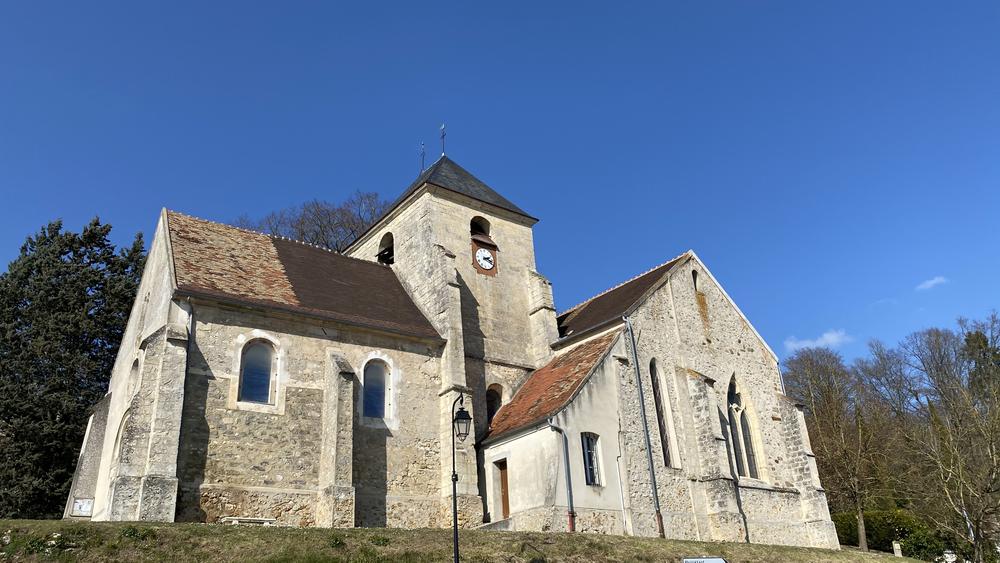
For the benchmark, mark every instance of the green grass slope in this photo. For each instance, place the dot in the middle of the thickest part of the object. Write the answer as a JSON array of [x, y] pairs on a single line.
[[35, 540]]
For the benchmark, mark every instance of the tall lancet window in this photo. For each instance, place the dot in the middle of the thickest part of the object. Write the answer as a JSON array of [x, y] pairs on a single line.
[[661, 414], [741, 434]]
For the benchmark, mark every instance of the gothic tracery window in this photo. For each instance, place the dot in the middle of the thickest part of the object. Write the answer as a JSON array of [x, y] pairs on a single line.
[[741, 435]]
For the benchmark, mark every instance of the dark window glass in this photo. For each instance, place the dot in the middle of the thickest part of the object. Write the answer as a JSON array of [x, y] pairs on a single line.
[[661, 421], [374, 389], [734, 435], [591, 474], [255, 376], [748, 445]]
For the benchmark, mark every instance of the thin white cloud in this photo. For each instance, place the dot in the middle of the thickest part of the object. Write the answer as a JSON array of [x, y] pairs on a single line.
[[830, 339], [931, 283]]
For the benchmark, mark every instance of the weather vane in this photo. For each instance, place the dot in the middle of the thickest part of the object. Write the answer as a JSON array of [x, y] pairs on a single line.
[[442, 139], [423, 156]]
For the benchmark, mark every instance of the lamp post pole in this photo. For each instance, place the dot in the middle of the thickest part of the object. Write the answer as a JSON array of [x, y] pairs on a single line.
[[460, 422]]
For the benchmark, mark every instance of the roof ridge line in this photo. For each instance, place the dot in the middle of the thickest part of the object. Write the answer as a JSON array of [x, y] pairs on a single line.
[[275, 237], [633, 278]]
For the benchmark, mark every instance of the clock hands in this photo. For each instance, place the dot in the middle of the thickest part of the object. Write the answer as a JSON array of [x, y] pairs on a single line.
[[485, 259]]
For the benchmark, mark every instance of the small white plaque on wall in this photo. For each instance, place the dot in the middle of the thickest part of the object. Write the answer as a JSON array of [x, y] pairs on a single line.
[[83, 507]]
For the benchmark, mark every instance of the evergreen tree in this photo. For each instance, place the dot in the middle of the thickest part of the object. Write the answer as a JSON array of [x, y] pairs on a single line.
[[64, 303]]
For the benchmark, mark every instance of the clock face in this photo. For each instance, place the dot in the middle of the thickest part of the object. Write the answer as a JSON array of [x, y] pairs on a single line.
[[485, 259]]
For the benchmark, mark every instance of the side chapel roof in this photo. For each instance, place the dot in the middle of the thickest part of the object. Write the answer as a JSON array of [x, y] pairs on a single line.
[[550, 388], [613, 303], [234, 265]]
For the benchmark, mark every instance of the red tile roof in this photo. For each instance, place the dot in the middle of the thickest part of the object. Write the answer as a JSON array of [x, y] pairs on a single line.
[[611, 304], [235, 265], [550, 388]]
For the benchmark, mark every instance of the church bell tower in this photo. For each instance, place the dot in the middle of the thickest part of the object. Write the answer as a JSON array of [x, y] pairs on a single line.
[[466, 256]]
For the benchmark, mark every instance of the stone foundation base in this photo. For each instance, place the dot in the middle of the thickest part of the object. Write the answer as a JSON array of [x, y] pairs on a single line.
[[157, 498], [286, 508], [470, 512], [335, 507], [125, 494]]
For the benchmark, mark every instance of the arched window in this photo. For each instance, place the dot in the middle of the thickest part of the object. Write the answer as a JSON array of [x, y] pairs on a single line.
[[591, 458], [694, 279], [479, 226], [256, 369], [741, 434], [661, 419], [386, 251], [375, 389], [494, 399]]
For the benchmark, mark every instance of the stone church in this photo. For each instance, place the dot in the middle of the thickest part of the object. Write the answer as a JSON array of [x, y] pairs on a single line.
[[265, 380]]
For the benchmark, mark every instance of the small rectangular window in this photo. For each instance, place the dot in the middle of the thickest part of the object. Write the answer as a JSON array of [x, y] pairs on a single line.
[[590, 462]]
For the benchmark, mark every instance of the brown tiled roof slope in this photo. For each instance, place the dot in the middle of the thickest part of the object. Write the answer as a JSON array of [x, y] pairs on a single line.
[[235, 265], [611, 304], [548, 389]]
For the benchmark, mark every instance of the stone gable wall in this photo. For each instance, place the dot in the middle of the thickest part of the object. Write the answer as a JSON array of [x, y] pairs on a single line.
[[700, 341]]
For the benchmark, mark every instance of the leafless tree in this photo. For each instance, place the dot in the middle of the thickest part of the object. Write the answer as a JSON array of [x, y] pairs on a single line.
[[846, 428], [944, 386], [333, 226]]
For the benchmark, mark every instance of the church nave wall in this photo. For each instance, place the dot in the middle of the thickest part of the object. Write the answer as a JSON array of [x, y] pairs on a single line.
[[253, 460]]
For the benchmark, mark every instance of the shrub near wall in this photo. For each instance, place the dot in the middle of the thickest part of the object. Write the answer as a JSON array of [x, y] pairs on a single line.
[[882, 527]]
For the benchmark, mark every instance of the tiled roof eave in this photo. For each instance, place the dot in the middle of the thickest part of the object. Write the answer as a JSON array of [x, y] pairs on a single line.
[[521, 429], [262, 305]]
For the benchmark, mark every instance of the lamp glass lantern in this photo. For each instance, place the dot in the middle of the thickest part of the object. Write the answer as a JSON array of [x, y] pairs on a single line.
[[462, 423]]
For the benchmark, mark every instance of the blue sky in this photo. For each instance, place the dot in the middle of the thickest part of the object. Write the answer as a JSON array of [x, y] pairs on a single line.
[[835, 164]]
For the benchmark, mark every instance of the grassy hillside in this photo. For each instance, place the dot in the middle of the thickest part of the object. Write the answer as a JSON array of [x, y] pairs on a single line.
[[34, 540]]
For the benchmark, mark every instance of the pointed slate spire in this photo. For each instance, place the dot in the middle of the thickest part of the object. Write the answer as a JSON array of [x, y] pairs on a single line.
[[447, 174]]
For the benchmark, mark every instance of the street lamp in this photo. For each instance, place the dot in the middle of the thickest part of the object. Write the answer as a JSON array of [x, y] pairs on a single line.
[[460, 423]]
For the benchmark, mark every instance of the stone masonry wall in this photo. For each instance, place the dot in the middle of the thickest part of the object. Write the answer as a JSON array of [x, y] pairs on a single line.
[[242, 461], [150, 314], [700, 342]]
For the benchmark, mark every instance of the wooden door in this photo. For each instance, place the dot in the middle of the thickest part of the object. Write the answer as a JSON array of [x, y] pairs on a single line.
[[504, 498]]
